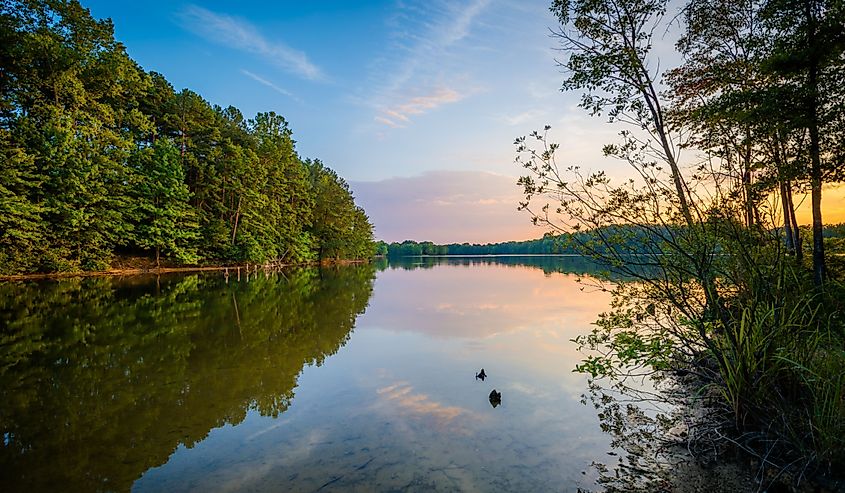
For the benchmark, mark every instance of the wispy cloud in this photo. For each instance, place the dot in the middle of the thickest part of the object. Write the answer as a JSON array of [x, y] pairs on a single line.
[[524, 117], [239, 34], [400, 114], [417, 72], [262, 80], [388, 122], [460, 26]]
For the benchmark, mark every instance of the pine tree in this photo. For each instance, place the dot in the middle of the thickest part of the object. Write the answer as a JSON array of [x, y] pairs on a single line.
[[165, 221]]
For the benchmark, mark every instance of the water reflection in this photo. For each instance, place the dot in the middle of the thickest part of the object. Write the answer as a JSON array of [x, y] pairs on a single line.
[[561, 264], [101, 380], [187, 384]]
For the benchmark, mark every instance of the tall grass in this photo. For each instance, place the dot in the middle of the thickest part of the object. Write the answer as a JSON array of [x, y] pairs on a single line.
[[782, 376]]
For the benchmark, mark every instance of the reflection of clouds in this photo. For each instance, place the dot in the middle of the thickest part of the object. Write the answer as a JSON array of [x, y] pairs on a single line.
[[529, 390], [247, 475], [242, 472], [278, 423], [501, 313], [419, 405], [482, 302]]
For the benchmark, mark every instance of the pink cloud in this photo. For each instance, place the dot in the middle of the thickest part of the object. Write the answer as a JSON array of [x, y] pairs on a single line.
[[400, 113], [447, 207]]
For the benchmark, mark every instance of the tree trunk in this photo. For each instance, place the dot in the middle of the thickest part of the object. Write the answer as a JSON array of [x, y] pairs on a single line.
[[819, 273], [749, 207], [237, 217], [184, 145], [787, 220], [799, 245], [750, 210]]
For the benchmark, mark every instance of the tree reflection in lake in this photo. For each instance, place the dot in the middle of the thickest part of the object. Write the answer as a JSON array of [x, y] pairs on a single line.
[[561, 264], [661, 447], [102, 379]]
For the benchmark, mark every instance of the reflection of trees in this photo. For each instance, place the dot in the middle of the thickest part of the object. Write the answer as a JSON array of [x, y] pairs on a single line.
[[573, 264], [101, 380], [550, 264], [658, 444]]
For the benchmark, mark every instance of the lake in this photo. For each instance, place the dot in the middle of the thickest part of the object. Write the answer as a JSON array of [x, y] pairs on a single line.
[[358, 378]]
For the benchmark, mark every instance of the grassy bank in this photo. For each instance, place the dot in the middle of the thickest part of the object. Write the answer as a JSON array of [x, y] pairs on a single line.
[[760, 378]]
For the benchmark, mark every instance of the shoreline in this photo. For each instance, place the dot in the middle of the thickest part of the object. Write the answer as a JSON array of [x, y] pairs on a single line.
[[127, 272]]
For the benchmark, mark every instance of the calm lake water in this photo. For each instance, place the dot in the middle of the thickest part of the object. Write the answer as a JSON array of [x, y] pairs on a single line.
[[349, 379]]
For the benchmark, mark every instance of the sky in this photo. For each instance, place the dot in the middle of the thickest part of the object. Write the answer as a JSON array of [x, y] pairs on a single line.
[[415, 103]]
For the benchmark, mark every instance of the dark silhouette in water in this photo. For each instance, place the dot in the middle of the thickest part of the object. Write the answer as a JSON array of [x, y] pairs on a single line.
[[481, 375], [495, 398]]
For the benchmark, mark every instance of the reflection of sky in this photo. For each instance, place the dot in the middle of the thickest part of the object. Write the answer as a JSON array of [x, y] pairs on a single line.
[[478, 303], [399, 407]]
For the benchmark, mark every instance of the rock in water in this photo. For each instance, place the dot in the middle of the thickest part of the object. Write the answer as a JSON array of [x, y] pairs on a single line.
[[495, 398]]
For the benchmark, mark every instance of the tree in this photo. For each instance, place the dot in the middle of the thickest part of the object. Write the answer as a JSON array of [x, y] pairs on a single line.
[[807, 55], [340, 228], [287, 206], [165, 221], [715, 295], [734, 108], [608, 44], [70, 100], [22, 235], [381, 248]]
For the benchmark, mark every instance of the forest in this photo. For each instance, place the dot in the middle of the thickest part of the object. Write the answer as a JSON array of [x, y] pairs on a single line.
[[742, 329], [101, 158]]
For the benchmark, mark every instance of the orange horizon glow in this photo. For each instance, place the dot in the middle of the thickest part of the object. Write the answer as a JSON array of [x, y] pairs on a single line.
[[833, 206], [480, 208]]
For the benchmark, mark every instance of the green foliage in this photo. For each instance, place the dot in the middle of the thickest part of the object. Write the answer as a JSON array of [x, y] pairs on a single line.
[[381, 248], [340, 228], [108, 158], [633, 240], [549, 244], [608, 54], [165, 222], [23, 232], [783, 371]]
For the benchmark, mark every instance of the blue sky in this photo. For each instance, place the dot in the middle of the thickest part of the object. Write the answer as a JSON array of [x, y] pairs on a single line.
[[415, 103]]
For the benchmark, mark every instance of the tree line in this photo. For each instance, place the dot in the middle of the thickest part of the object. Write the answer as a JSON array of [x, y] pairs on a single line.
[[549, 244], [99, 157], [566, 243], [725, 304]]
